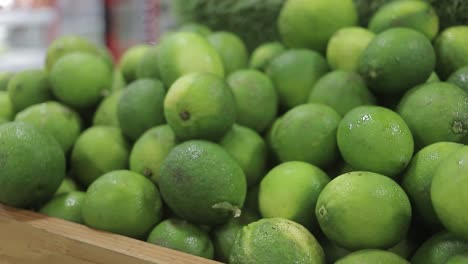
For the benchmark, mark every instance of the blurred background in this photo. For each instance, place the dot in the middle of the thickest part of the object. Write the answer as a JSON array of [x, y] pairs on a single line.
[[28, 26]]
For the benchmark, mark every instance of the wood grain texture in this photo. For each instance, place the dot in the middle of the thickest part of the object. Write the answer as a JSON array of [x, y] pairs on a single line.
[[27, 237]]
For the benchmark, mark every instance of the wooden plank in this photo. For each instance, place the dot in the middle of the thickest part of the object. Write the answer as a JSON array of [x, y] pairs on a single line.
[[28, 237]]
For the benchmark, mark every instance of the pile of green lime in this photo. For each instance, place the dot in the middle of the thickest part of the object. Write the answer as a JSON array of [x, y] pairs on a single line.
[[336, 144]]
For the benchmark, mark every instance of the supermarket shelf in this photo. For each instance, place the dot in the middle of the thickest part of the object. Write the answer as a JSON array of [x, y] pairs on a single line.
[[29, 237]]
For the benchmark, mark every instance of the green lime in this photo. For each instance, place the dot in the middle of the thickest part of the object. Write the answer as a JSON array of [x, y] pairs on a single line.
[[106, 112], [225, 235], [253, 88], [187, 52], [373, 256], [397, 60], [6, 107], [231, 49], [27, 88], [275, 240], [56, 119], [294, 73], [202, 183], [98, 150], [125, 196], [150, 150], [182, 236], [433, 78], [80, 79], [249, 150], [307, 133], [460, 78], [458, 259], [439, 248], [32, 165], [67, 185], [342, 91], [118, 81], [203, 30], [361, 210], [200, 106], [325, 17], [418, 178], [451, 50], [373, 138], [5, 77], [448, 192], [106, 55], [414, 14], [65, 206], [346, 47], [444, 104], [140, 107], [130, 61], [264, 54], [148, 65], [290, 190], [68, 44]]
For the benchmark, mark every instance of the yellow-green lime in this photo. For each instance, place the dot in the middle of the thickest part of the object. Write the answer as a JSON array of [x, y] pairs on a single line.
[[444, 104], [249, 150], [80, 79], [32, 165], [342, 91], [106, 112], [415, 14], [361, 210], [231, 49], [275, 240], [448, 192], [202, 183], [6, 107], [65, 206], [122, 202], [148, 65], [256, 99], [433, 78], [200, 106], [439, 249], [460, 78], [297, 17], [140, 107], [4, 79], [29, 87], [98, 150], [264, 54], [58, 120], [374, 256], [130, 60], [307, 133], [203, 30], [374, 138], [451, 50], [187, 52], [67, 185], [290, 190], [294, 73], [118, 81], [397, 60], [346, 47], [225, 235], [72, 43], [458, 259], [150, 150], [417, 179], [182, 236]]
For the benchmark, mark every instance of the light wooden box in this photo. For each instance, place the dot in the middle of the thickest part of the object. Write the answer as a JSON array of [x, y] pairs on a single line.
[[27, 237]]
